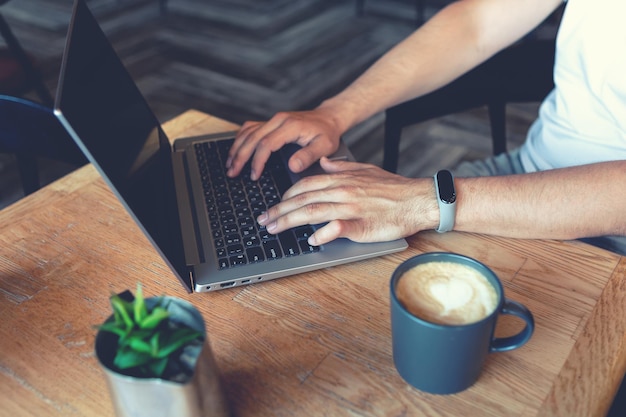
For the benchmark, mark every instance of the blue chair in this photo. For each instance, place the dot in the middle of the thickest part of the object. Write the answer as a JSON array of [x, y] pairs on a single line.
[[31, 131], [18, 73]]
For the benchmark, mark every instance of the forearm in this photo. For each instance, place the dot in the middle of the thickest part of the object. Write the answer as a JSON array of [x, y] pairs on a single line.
[[458, 38], [566, 203]]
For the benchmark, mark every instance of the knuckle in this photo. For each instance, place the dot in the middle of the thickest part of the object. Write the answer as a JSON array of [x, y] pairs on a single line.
[[273, 212], [348, 192], [302, 200], [264, 142], [312, 209], [247, 124]]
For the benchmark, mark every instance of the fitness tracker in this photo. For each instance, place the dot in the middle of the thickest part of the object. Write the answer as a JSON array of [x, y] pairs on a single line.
[[446, 198]]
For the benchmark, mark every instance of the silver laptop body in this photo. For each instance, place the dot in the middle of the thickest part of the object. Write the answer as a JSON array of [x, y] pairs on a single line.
[[163, 186]]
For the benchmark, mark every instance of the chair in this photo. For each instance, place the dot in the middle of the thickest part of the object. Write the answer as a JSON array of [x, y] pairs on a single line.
[[17, 72], [27, 129], [30, 130], [520, 73]]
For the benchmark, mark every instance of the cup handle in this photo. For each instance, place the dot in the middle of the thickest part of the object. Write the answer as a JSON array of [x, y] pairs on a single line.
[[502, 344]]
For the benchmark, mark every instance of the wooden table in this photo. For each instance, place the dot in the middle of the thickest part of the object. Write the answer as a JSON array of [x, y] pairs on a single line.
[[317, 344]]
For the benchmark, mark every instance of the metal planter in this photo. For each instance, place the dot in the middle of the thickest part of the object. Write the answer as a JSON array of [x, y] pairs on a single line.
[[200, 396]]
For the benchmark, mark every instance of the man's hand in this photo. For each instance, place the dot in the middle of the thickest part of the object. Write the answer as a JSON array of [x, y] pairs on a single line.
[[314, 130], [359, 201]]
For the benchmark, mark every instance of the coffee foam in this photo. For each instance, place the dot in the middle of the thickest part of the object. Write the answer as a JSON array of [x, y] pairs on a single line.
[[446, 293]]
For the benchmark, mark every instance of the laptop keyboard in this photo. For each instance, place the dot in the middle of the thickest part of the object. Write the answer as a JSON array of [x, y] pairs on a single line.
[[233, 204]]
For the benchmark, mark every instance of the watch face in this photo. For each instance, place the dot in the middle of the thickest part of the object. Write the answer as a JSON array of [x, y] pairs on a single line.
[[445, 183]]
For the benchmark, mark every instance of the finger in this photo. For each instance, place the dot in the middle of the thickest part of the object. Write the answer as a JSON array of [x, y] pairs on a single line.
[[310, 153], [293, 220], [252, 137], [336, 229], [242, 135], [324, 181], [309, 184], [242, 148], [270, 138], [325, 234], [309, 208]]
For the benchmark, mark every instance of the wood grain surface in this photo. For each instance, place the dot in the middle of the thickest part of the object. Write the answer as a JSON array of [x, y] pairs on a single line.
[[316, 344]]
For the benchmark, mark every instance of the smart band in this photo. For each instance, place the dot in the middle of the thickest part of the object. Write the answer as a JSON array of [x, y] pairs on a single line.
[[446, 198]]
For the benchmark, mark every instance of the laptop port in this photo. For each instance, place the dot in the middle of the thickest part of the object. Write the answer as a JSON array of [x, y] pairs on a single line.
[[227, 284]]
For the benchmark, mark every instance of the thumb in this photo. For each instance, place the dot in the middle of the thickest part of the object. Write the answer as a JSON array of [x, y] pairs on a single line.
[[302, 159], [311, 153]]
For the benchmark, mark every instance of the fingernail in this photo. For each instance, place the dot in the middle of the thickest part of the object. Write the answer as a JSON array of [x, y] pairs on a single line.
[[228, 162], [271, 226], [253, 176], [262, 219], [312, 240]]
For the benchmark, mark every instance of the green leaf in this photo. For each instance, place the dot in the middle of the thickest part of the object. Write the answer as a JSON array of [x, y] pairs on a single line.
[[154, 344], [140, 345], [113, 328], [121, 310], [127, 358], [136, 334], [177, 340], [158, 367], [154, 318], [139, 305]]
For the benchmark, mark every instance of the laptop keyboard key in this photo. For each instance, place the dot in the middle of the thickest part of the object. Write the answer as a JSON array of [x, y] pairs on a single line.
[[306, 248], [233, 204], [223, 263], [289, 243], [238, 260], [272, 249], [235, 249], [303, 232], [265, 235], [255, 254], [252, 240]]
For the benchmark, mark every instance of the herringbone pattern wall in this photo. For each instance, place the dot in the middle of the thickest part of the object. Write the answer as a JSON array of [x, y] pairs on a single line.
[[247, 59]]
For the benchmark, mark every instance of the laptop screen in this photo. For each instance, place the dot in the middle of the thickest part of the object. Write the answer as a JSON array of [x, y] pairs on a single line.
[[104, 111]]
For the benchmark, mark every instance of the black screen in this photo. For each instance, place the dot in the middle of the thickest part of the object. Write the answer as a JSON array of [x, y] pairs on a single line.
[[119, 133]]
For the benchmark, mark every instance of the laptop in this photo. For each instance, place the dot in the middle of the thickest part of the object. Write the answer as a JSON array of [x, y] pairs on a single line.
[[201, 222]]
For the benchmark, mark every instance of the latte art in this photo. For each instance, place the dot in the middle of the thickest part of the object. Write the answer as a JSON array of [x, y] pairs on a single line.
[[446, 293]]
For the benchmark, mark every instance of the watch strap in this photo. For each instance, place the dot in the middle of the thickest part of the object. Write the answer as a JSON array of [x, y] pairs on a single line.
[[446, 199]]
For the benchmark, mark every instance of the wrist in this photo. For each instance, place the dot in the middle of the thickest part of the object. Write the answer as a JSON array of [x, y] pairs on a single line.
[[423, 207], [343, 113]]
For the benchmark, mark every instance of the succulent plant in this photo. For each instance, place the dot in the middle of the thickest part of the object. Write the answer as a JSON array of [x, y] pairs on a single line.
[[148, 339]]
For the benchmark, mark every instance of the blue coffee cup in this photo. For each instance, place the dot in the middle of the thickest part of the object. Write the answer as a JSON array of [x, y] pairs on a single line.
[[448, 358]]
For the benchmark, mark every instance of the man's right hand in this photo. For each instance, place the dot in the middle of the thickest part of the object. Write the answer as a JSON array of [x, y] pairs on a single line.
[[316, 131]]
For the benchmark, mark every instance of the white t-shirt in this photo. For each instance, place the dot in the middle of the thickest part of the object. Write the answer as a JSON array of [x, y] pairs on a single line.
[[583, 120]]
